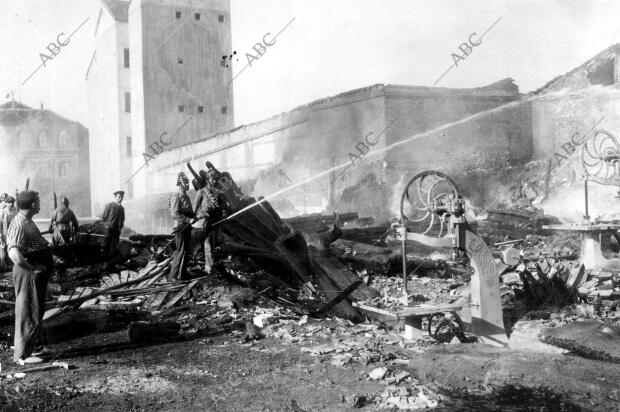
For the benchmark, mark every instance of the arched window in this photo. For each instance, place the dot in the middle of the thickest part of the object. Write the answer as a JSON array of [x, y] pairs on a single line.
[[62, 138], [42, 139]]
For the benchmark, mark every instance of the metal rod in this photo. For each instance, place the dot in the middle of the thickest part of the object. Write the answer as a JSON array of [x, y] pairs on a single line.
[[585, 183], [508, 242], [404, 253]]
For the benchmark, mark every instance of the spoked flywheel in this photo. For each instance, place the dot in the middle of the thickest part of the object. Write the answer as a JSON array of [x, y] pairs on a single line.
[[418, 203], [601, 157]]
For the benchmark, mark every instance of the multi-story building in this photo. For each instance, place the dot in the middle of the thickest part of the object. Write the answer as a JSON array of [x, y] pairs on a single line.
[[156, 75], [50, 150]]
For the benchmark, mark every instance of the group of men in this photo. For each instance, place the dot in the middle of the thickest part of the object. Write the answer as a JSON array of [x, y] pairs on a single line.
[[207, 206], [23, 243], [33, 264]]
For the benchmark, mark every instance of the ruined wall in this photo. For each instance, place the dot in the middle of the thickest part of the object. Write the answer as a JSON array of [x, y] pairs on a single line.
[[317, 138], [559, 120], [603, 70], [485, 142]]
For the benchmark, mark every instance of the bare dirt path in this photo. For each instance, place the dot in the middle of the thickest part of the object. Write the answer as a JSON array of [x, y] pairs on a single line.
[[222, 373]]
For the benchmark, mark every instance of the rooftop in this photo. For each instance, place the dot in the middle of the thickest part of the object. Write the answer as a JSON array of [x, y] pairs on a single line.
[[118, 9]]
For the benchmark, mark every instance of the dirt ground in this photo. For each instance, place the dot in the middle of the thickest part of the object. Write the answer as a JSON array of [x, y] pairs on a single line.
[[222, 372]]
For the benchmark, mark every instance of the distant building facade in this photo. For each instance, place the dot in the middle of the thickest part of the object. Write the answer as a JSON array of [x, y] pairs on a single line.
[[157, 79], [156, 70], [49, 149]]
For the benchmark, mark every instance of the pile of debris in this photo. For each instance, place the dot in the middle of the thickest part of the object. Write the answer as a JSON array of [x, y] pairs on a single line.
[[501, 224], [548, 273]]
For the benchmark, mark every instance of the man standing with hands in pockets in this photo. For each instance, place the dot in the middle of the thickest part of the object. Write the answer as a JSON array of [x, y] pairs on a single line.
[[33, 266]]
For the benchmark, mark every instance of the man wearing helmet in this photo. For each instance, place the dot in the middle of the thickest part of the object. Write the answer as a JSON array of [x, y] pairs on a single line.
[[183, 214]]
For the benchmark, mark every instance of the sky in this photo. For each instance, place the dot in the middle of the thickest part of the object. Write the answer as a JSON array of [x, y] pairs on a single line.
[[330, 47]]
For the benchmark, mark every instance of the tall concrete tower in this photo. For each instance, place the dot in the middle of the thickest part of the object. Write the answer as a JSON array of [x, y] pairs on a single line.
[[156, 81]]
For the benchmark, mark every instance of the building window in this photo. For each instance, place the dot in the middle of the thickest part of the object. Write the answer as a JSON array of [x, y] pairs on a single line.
[[181, 109], [197, 16], [127, 102], [62, 138], [63, 168], [221, 18], [126, 57], [224, 109], [179, 60], [129, 146], [2, 140], [42, 139], [222, 63], [178, 14], [15, 140], [201, 109]]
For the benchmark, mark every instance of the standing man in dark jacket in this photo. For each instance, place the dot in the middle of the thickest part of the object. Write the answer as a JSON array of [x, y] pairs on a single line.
[[113, 217], [182, 213], [64, 223], [209, 208], [33, 266]]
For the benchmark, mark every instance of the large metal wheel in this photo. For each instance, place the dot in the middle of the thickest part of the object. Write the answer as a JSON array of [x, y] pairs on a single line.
[[601, 156], [422, 192]]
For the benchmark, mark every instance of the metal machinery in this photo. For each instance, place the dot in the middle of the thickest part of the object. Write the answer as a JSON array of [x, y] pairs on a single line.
[[433, 214], [600, 157]]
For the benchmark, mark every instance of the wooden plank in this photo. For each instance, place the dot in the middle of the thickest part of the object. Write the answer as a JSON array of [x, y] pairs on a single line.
[[86, 297], [155, 278], [164, 262], [342, 277], [108, 281], [343, 295], [147, 269], [152, 277], [124, 276], [362, 249], [411, 311], [156, 301], [180, 294], [146, 291]]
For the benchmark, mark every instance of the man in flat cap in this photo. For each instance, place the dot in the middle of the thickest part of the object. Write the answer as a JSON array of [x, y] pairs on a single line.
[[183, 215], [113, 218], [63, 224]]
